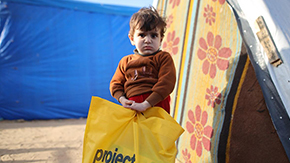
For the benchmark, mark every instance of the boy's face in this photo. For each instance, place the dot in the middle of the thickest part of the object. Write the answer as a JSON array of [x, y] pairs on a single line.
[[146, 42]]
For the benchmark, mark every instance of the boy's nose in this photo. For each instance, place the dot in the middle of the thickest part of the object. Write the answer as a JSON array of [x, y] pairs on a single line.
[[147, 39]]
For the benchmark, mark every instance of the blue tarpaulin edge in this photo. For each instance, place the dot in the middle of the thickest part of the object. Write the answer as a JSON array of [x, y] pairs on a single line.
[[83, 6]]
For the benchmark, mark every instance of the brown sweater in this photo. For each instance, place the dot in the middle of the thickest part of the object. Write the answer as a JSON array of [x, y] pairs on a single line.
[[138, 74]]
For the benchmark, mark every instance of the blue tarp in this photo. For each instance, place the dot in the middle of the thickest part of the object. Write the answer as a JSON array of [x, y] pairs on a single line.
[[55, 55]]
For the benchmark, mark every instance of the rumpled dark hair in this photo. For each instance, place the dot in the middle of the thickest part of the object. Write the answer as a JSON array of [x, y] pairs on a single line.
[[147, 19]]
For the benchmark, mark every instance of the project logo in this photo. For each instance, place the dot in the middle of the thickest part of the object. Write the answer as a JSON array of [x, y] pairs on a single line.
[[110, 157]]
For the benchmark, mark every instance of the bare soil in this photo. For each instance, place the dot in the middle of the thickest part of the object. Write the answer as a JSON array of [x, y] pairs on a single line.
[[42, 141]]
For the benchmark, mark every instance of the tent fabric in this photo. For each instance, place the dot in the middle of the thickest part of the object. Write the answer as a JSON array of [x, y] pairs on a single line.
[[54, 59], [206, 38], [278, 25], [206, 45], [274, 81]]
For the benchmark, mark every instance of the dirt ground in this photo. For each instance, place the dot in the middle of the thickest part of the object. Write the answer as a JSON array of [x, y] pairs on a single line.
[[42, 141], [47, 141]]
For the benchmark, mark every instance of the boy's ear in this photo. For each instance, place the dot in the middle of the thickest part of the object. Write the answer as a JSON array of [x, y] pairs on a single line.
[[131, 39]]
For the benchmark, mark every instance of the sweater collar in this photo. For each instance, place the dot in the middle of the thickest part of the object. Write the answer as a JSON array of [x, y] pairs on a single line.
[[136, 52]]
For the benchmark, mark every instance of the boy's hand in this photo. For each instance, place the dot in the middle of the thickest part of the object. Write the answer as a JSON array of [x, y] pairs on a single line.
[[125, 102], [140, 106]]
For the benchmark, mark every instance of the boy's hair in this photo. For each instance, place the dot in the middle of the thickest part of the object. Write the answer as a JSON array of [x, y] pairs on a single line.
[[147, 19]]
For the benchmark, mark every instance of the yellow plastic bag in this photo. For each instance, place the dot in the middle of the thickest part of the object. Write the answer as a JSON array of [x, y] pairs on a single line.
[[115, 134]]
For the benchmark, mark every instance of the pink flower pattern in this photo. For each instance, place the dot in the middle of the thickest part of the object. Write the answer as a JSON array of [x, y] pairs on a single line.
[[220, 1], [186, 156], [171, 44], [213, 96], [201, 133], [209, 15], [169, 21], [213, 55], [174, 3]]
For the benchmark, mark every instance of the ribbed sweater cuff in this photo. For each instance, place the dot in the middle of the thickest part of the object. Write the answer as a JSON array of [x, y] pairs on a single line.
[[118, 94], [154, 98]]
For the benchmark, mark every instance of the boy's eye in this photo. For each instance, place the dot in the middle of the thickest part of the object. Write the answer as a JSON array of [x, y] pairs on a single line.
[[141, 35], [154, 35]]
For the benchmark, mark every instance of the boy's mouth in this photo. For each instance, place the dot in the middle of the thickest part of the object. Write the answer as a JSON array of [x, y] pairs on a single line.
[[147, 47]]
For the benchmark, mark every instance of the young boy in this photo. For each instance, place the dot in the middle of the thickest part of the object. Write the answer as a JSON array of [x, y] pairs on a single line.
[[147, 77]]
